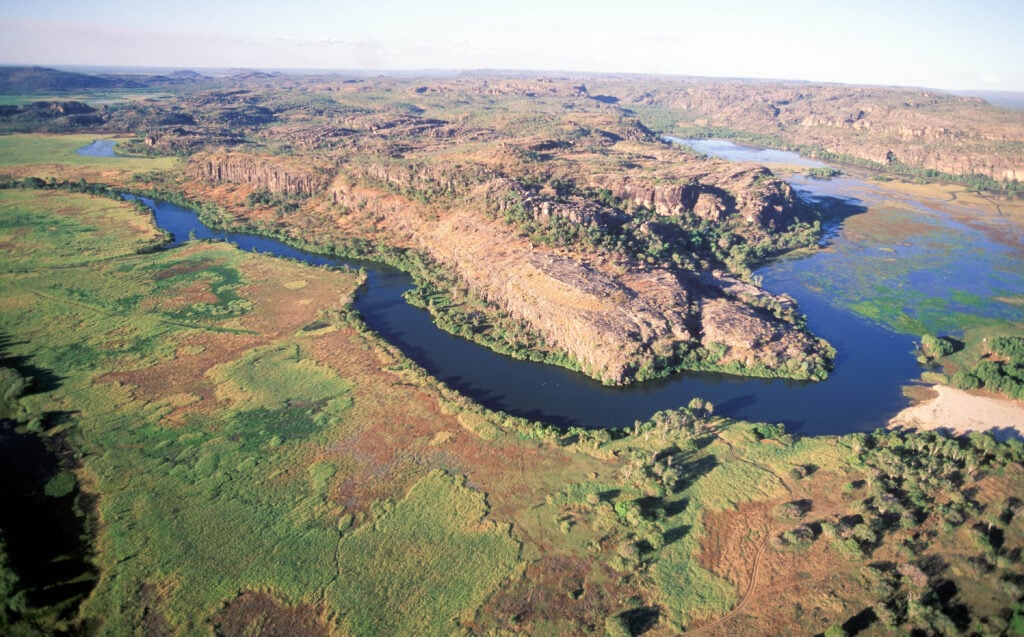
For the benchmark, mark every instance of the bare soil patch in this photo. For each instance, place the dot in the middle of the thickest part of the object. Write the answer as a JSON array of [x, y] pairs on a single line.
[[959, 412], [254, 613]]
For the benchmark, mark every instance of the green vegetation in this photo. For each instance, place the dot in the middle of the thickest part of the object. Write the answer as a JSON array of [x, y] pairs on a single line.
[[231, 515], [925, 485], [237, 429], [1001, 369], [937, 346], [822, 173], [683, 241], [989, 358]]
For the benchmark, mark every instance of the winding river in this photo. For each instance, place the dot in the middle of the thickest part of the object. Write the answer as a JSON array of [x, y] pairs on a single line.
[[874, 361]]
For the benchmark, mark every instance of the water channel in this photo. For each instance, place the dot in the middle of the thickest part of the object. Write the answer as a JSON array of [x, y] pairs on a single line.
[[874, 360]]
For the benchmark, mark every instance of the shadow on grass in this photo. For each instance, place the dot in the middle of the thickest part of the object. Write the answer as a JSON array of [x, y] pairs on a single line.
[[41, 522]]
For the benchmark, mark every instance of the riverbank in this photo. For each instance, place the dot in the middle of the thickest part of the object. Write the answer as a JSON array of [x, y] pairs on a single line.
[[960, 412]]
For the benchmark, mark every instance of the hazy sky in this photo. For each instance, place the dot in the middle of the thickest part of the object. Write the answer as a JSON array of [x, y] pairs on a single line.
[[937, 43]]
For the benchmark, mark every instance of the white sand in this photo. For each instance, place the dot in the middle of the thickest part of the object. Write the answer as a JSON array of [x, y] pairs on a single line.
[[961, 412]]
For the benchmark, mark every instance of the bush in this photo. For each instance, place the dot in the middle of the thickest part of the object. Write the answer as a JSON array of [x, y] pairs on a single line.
[[617, 626]]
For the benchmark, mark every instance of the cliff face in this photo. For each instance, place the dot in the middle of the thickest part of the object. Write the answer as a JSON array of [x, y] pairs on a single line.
[[273, 174], [611, 324]]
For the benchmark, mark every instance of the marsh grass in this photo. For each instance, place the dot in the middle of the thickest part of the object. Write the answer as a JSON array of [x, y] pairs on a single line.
[[691, 592], [37, 149], [458, 558], [72, 231]]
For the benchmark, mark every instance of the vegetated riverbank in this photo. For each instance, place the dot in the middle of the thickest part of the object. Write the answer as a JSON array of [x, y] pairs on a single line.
[[254, 446], [874, 368], [921, 258], [555, 396], [558, 396]]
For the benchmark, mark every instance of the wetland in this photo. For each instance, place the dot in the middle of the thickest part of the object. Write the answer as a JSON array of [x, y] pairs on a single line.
[[226, 442]]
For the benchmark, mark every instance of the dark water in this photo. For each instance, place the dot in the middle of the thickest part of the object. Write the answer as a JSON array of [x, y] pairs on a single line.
[[860, 395], [99, 148]]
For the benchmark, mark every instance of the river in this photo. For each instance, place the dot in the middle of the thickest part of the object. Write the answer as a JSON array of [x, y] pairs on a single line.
[[99, 148], [874, 360]]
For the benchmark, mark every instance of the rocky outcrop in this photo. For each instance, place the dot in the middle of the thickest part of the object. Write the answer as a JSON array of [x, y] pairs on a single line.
[[541, 209], [614, 318], [753, 193], [273, 174], [751, 338]]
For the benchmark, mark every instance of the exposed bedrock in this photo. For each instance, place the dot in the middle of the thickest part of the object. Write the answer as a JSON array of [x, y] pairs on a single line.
[[611, 324]]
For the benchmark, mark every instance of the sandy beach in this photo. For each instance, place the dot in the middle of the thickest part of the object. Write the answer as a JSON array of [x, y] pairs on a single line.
[[960, 412]]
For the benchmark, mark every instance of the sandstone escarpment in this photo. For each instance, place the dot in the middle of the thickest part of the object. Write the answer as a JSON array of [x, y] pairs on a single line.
[[259, 173], [615, 319], [918, 128], [563, 211]]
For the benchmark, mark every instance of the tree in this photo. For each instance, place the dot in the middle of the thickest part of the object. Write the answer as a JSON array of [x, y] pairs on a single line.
[[10, 599], [936, 346]]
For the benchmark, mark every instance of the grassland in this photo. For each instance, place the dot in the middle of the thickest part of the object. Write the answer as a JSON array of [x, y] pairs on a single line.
[[244, 435], [41, 150], [230, 449]]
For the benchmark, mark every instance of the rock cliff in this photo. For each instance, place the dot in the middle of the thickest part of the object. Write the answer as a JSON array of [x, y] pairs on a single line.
[[752, 192], [616, 318], [273, 174]]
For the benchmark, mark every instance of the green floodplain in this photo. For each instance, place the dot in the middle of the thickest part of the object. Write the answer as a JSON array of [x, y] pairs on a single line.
[[234, 467]]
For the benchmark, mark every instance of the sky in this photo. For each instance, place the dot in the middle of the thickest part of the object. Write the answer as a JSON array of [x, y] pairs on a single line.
[[942, 44]]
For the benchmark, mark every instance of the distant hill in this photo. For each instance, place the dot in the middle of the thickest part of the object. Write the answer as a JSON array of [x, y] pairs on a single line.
[[38, 79], [1004, 99], [185, 75]]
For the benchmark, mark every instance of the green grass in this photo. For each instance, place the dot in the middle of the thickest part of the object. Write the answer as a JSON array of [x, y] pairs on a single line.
[[277, 377], [732, 483], [976, 344], [824, 453], [33, 149], [688, 591], [422, 564]]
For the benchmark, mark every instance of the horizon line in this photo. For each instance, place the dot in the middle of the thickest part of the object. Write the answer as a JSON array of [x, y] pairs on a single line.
[[227, 71]]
